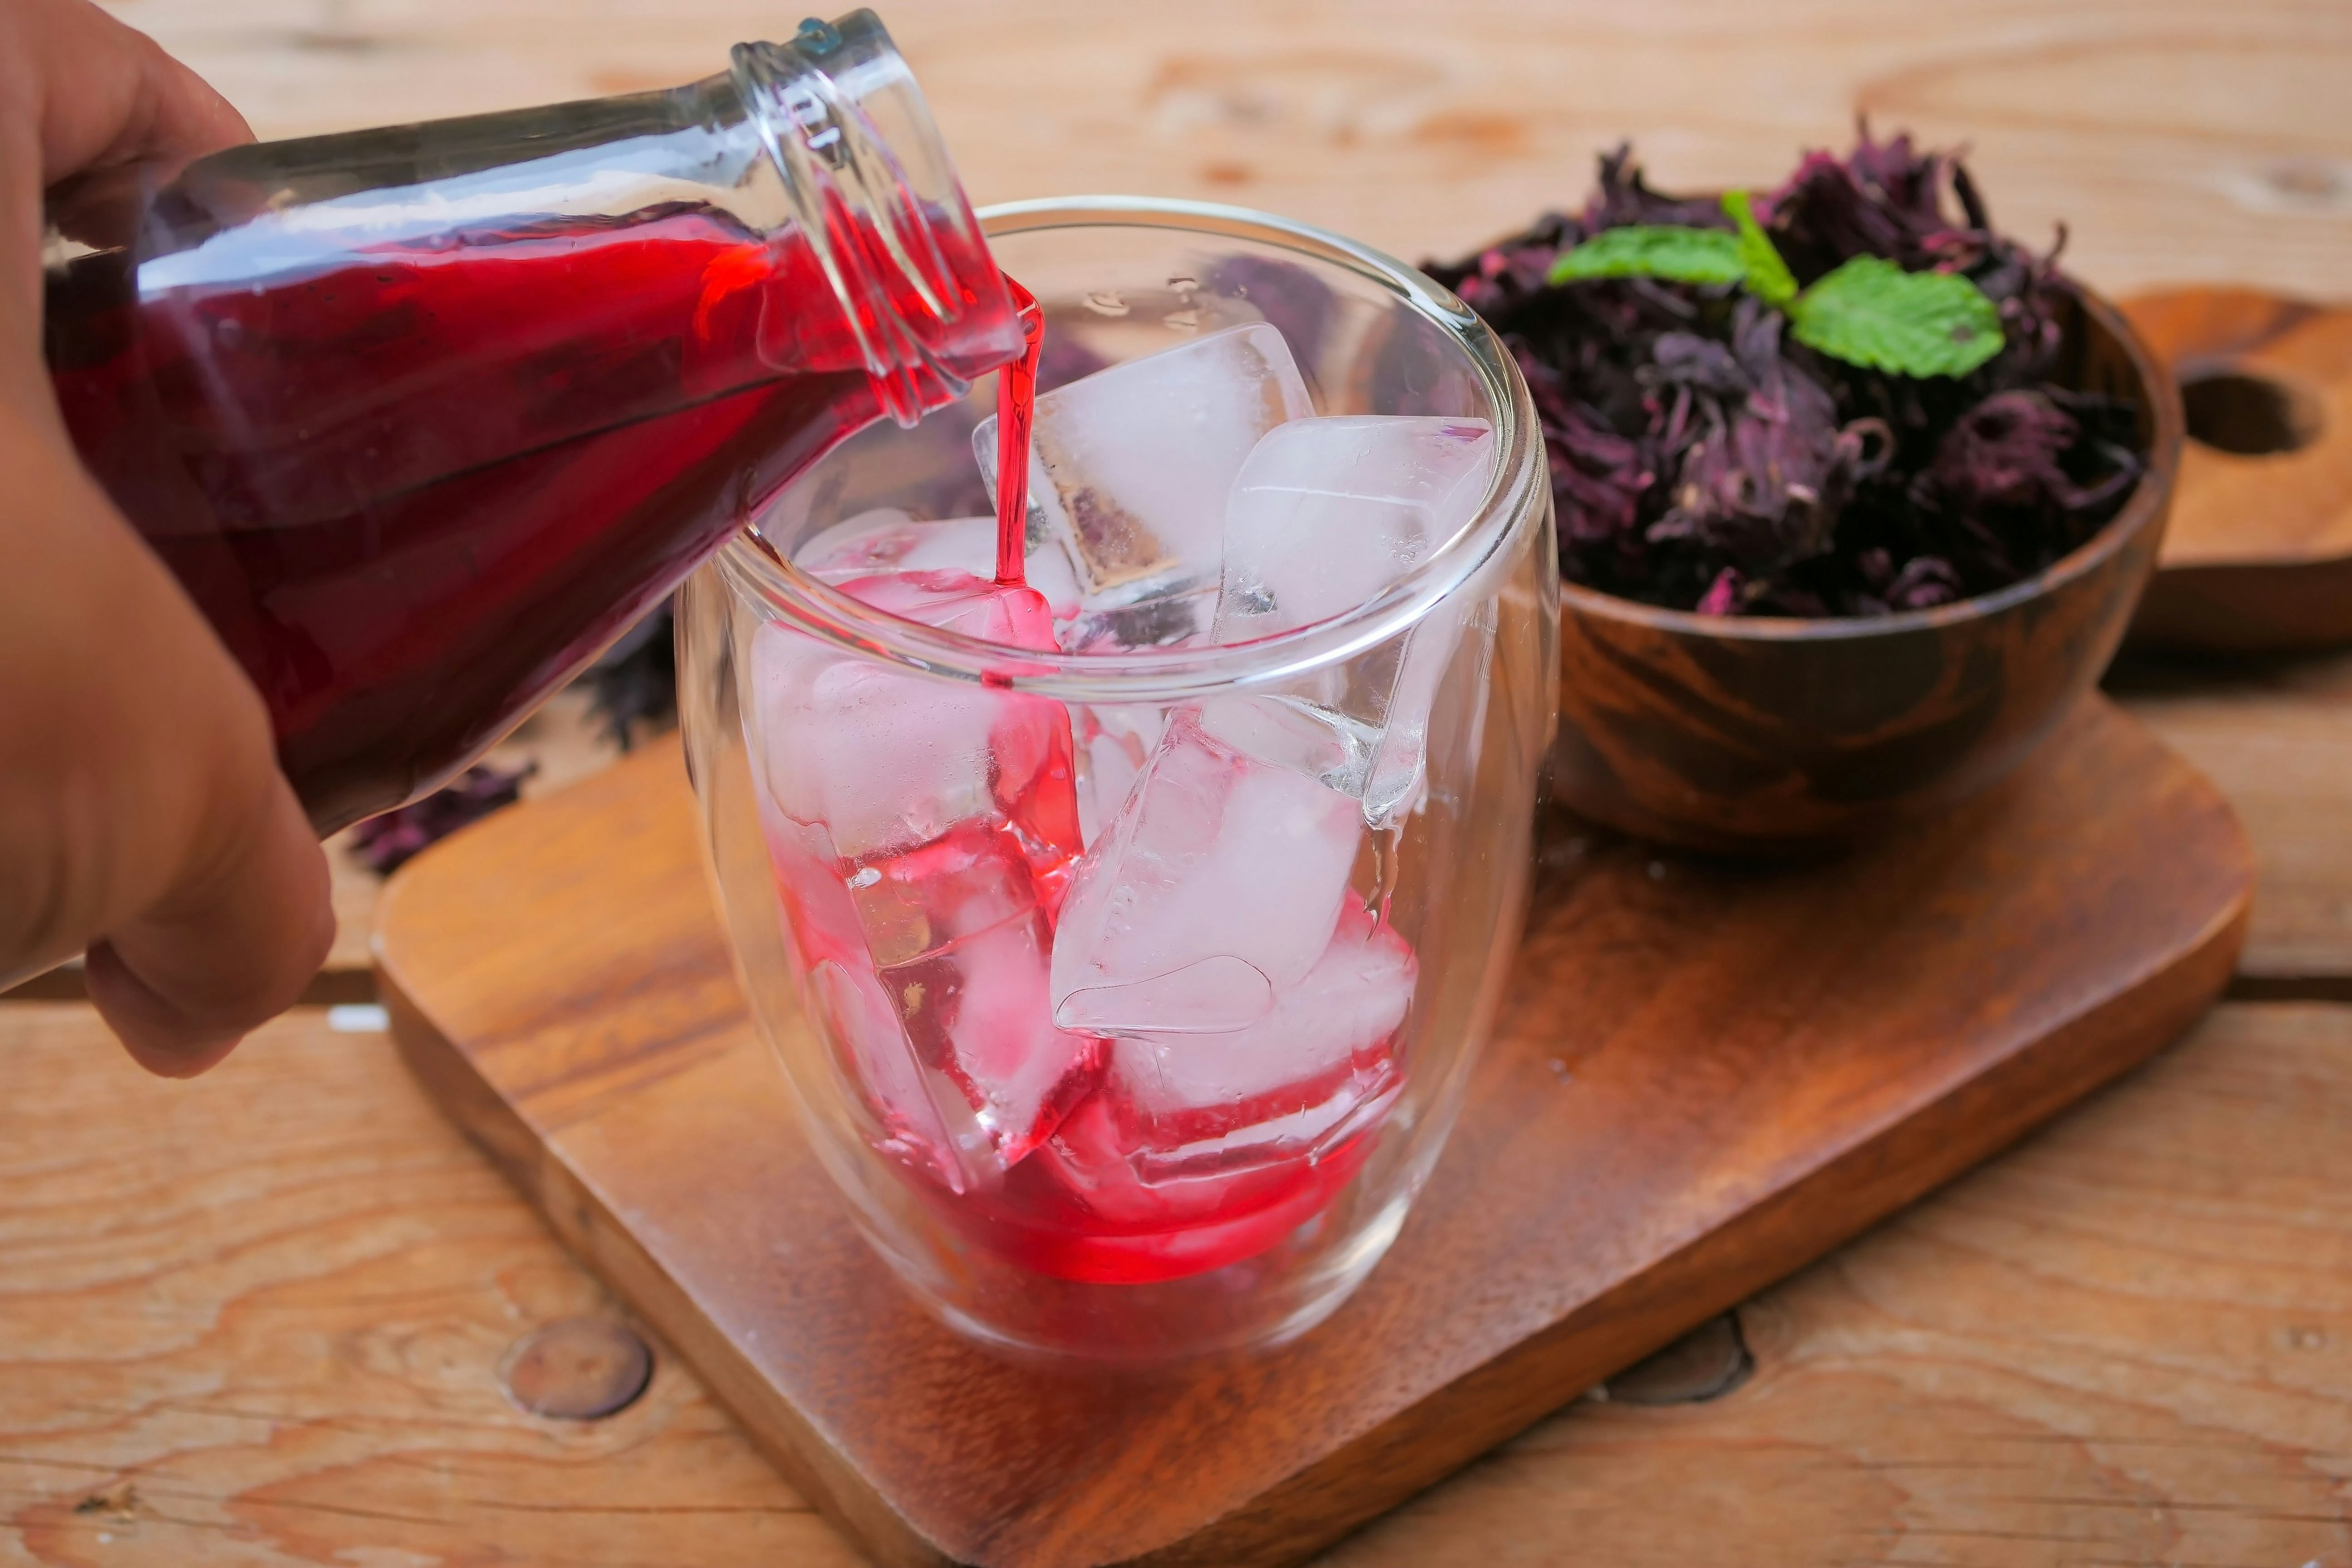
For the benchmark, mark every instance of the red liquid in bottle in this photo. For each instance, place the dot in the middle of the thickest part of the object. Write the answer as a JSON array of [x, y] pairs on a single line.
[[406, 561]]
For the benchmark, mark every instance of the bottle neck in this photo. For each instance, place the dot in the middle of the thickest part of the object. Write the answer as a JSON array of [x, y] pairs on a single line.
[[874, 206]]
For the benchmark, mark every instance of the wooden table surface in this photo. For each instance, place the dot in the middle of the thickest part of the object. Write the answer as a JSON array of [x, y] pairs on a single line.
[[260, 1319]]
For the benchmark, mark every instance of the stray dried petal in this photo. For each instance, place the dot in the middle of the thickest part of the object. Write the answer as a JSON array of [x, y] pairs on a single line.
[[387, 842]]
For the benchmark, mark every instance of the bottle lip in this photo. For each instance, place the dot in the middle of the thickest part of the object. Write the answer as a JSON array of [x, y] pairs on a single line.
[[874, 199], [1516, 498]]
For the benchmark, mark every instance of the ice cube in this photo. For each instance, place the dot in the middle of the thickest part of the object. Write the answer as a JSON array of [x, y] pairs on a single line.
[[1130, 467], [1192, 1222], [922, 832], [967, 967], [1397, 776], [1324, 515], [929, 970], [887, 539], [925, 1119], [1327, 512], [885, 758], [1315, 1072], [1312, 738], [1114, 741], [1213, 889]]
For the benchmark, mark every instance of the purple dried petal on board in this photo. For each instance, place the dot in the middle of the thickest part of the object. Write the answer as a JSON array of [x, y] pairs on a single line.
[[389, 841], [1722, 597]]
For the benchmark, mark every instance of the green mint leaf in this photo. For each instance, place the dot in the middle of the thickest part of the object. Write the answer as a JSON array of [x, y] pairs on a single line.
[[1653, 250], [1769, 278], [1871, 313]]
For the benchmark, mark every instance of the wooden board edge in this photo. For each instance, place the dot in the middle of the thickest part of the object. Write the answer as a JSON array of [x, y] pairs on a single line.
[[586, 1227], [2247, 607], [1865, 1186]]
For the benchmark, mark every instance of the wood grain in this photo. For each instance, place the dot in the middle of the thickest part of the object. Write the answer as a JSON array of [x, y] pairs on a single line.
[[2128, 1343], [2259, 555], [1703, 1079], [256, 1320], [560, 743], [2276, 736], [2096, 1339], [2176, 143]]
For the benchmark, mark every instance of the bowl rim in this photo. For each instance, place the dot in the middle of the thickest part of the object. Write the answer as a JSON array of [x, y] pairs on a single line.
[[2144, 506], [1517, 499]]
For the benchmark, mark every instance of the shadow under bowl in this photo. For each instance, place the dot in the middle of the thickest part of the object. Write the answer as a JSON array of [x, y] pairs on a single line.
[[1781, 736]]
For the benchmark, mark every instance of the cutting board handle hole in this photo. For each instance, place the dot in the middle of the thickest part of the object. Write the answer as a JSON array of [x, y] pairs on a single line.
[[2235, 409]]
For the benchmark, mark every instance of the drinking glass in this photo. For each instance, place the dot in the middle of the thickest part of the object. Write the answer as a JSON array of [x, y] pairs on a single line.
[[1069, 1231]]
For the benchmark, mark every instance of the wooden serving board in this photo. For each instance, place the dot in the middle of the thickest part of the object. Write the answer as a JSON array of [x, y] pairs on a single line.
[[1704, 1078], [2258, 554]]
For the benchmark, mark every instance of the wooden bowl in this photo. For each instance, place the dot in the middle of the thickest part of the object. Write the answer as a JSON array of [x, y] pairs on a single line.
[[1779, 736], [2259, 555]]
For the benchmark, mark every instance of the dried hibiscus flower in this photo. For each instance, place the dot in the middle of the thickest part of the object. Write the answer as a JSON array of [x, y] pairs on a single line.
[[1831, 400], [388, 842]]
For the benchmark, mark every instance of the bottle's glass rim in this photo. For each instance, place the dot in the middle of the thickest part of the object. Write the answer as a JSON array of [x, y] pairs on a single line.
[[1513, 503]]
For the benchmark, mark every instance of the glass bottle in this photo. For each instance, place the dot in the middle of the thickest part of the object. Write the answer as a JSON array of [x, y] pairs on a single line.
[[424, 416]]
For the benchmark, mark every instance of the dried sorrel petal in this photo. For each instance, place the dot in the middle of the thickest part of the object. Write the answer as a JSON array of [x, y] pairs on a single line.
[[1701, 460], [635, 681], [387, 842], [1767, 469]]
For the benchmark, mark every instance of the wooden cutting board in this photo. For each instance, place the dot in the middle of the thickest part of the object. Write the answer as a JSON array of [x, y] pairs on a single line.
[[1704, 1078], [2258, 555]]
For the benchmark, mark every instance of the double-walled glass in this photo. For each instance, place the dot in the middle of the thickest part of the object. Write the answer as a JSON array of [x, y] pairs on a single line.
[[1257, 1229]]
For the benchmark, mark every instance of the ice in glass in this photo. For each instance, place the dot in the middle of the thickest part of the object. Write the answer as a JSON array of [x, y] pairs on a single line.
[[1112, 981]]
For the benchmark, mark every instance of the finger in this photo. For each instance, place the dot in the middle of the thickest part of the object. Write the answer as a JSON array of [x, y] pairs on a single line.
[[108, 94], [143, 814], [229, 945]]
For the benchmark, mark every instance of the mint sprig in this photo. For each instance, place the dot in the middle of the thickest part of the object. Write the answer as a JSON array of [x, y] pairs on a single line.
[[1867, 312], [1873, 313], [1768, 277], [1656, 250]]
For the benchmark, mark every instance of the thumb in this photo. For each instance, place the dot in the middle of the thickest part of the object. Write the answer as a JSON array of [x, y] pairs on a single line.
[[179, 983], [142, 815]]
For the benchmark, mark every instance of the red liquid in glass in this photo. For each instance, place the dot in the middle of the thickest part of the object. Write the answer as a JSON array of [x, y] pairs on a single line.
[[1070, 1206], [406, 560]]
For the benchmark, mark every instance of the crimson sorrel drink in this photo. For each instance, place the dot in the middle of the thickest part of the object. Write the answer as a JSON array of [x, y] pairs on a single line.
[[1112, 985], [422, 418]]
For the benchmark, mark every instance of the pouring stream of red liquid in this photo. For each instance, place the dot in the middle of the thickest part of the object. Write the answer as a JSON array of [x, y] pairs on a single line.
[[1016, 411]]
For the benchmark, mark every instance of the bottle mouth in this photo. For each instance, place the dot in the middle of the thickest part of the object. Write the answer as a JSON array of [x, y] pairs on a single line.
[[875, 201], [1516, 500]]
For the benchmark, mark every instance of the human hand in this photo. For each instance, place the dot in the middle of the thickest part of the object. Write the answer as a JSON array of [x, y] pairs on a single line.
[[142, 816]]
